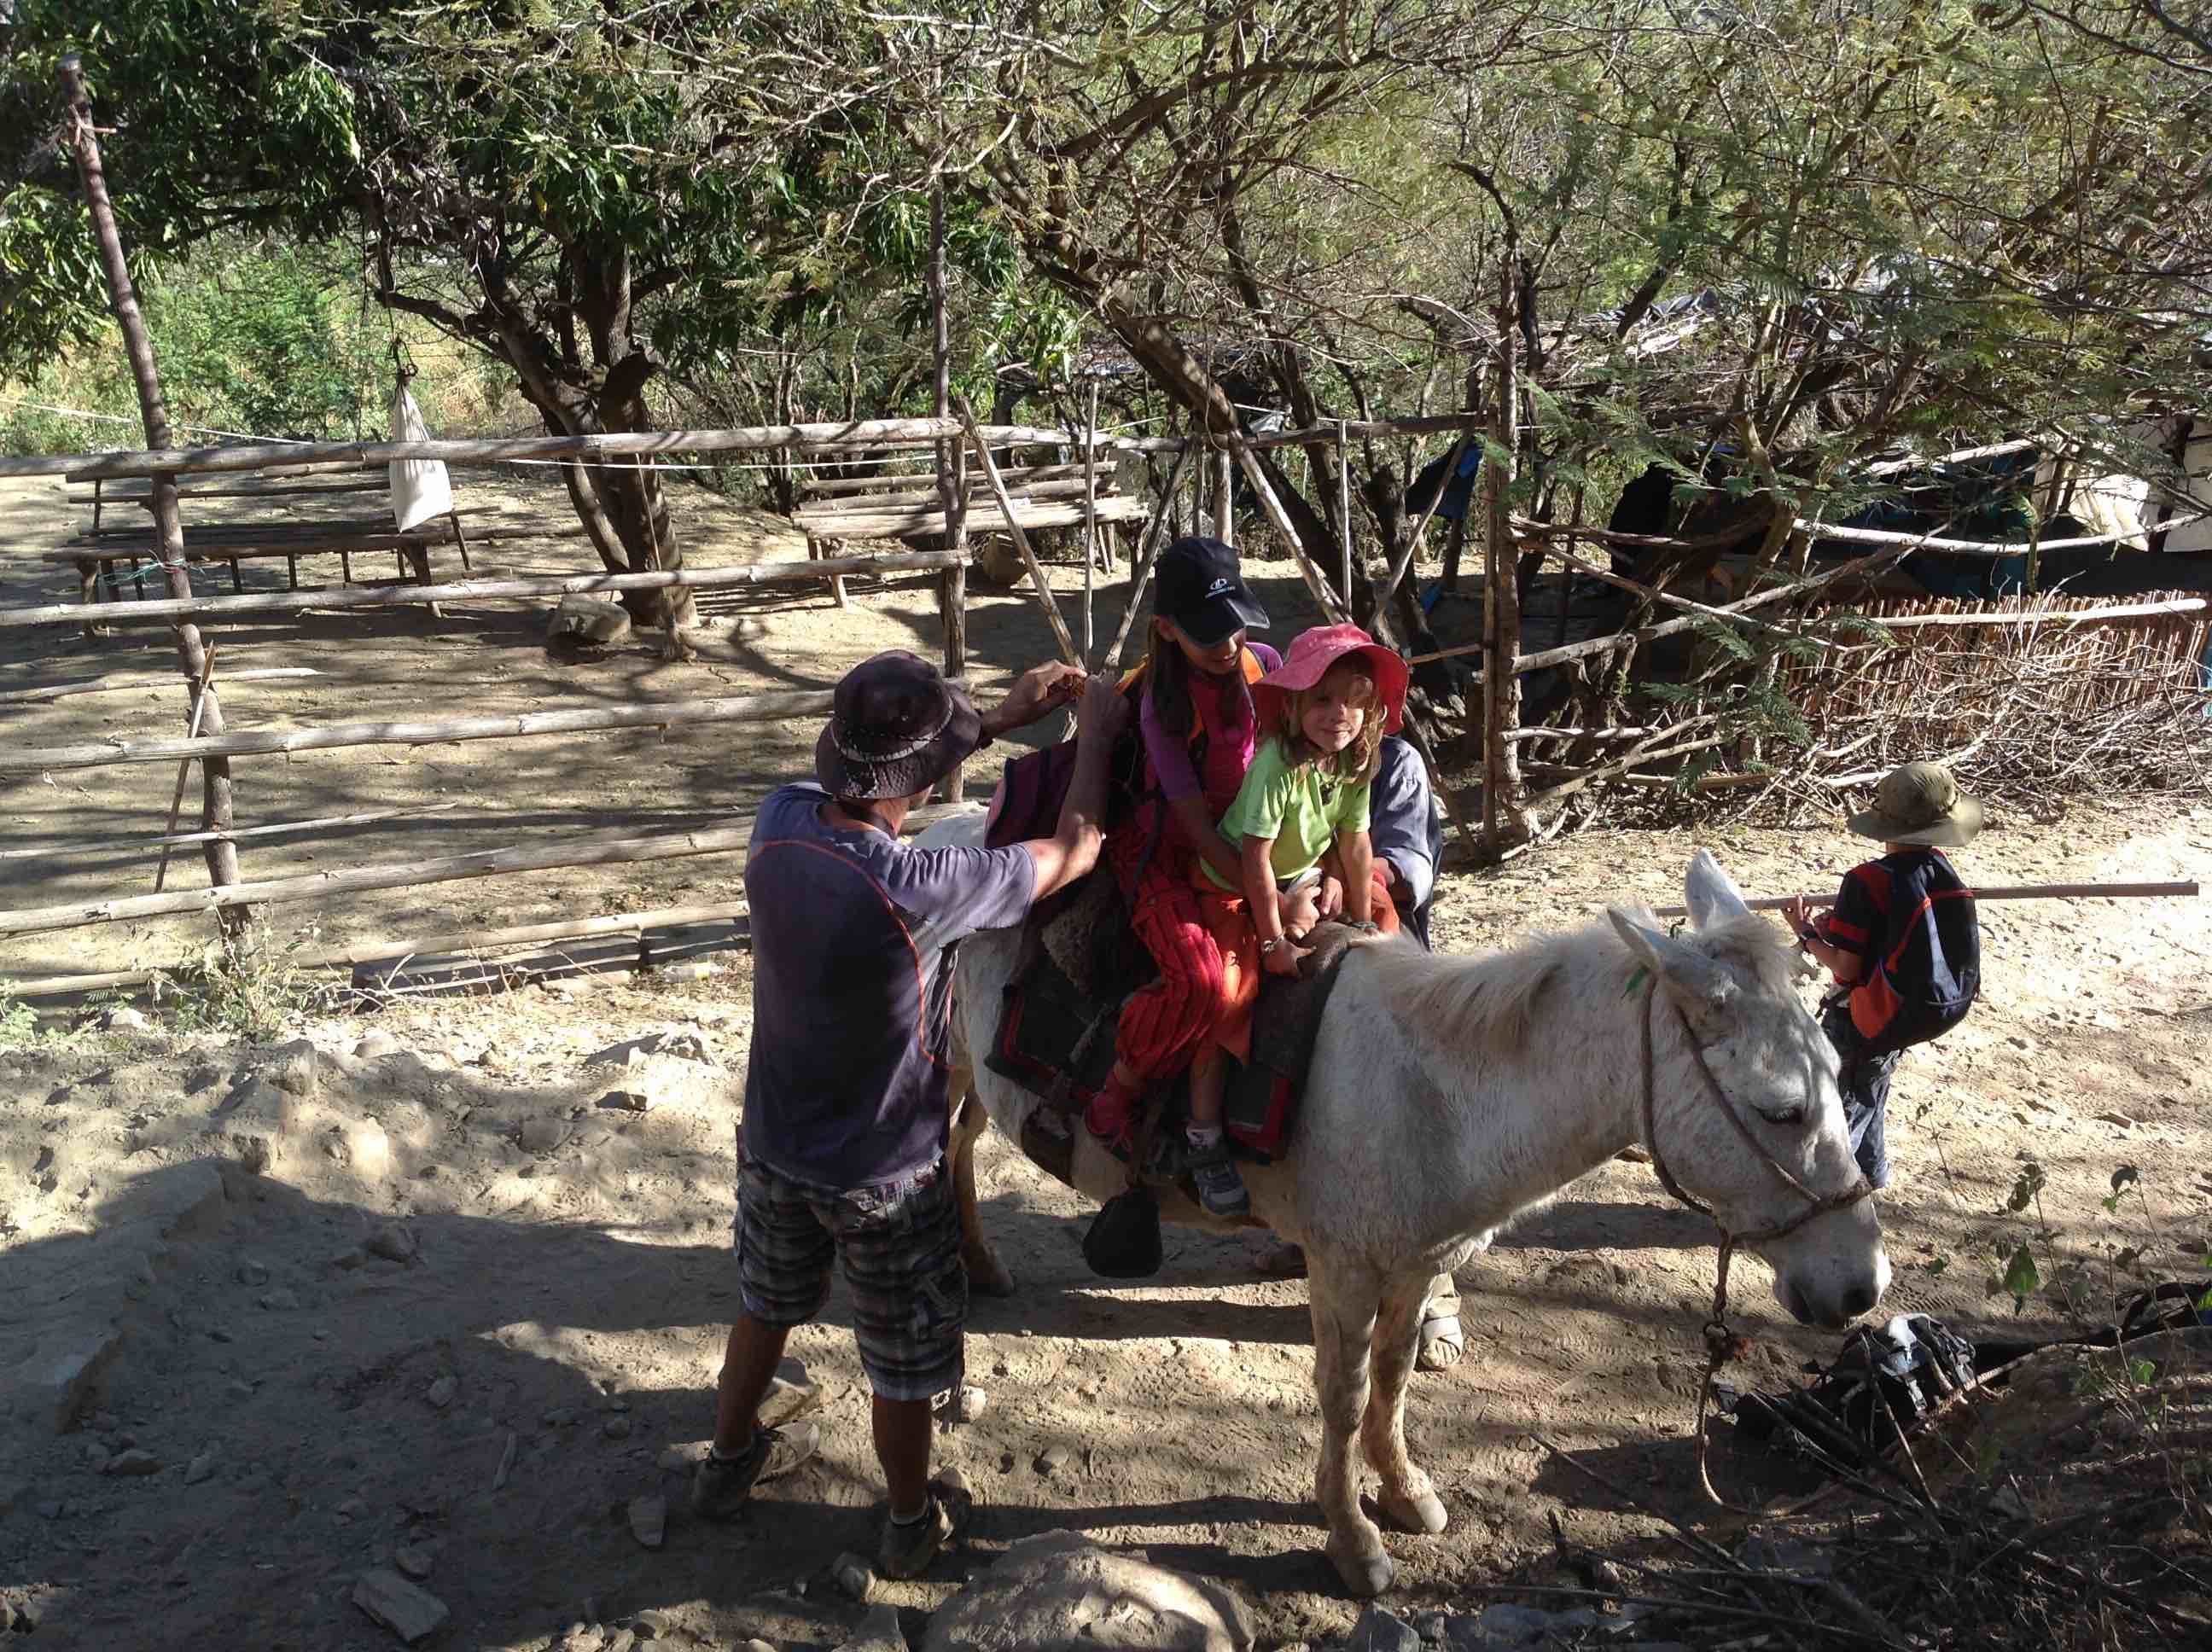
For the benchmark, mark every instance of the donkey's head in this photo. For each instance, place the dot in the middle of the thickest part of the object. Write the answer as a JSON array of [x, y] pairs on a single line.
[[1745, 1112]]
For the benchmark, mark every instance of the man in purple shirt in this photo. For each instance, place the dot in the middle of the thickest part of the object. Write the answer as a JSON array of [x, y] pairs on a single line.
[[840, 1155]]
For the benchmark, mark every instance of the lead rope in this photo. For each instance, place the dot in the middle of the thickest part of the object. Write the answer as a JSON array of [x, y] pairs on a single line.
[[1722, 1343]]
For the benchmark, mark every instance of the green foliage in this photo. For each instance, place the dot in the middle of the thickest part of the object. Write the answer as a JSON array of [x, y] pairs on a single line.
[[255, 989], [265, 340]]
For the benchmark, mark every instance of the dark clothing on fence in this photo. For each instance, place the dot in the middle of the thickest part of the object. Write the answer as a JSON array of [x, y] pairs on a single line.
[[1864, 1080]]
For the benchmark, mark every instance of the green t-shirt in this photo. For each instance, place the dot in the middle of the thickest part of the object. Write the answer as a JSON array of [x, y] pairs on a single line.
[[1299, 805]]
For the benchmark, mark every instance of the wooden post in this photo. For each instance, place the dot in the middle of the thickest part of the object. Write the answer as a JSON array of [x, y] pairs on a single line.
[[1225, 517], [185, 768], [1344, 505], [216, 811], [1141, 570], [1504, 823], [1089, 521], [998, 485], [1272, 508], [952, 584]]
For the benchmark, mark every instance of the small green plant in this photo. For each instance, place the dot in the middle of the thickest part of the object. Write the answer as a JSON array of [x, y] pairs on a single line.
[[245, 987]]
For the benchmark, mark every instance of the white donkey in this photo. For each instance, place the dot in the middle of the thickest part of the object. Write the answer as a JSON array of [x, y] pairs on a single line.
[[1449, 1095]]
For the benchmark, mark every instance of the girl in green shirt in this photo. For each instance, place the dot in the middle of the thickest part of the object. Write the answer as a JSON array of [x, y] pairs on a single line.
[[1324, 712]]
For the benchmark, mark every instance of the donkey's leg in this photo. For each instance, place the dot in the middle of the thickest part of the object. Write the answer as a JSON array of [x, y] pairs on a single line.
[[1344, 1296], [1407, 1497], [986, 1275]]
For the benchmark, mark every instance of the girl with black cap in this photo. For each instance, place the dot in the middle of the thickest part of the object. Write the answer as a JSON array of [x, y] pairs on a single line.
[[1200, 730]]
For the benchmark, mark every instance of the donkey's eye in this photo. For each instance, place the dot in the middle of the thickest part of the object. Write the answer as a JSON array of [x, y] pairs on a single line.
[[1791, 1115]]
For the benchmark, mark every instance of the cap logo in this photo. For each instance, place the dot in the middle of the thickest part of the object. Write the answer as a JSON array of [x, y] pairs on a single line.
[[1220, 588]]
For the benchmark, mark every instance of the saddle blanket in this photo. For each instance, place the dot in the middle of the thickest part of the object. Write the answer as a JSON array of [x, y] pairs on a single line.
[[1056, 1030]]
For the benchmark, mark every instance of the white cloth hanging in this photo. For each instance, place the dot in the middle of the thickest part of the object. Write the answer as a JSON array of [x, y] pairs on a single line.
[[420, 486]]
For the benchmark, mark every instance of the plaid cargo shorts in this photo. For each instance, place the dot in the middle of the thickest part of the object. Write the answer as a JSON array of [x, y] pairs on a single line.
[[899, 1246]]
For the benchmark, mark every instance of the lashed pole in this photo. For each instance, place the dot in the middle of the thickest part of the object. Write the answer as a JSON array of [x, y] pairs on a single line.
[[221, 855]]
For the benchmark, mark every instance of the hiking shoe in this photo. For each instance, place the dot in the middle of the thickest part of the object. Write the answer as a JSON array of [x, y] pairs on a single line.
[[907, 1551], [1220, 1189], [723, 1485]]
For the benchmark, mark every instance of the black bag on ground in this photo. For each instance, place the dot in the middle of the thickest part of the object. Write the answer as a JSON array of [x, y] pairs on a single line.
[[1124, 1239]]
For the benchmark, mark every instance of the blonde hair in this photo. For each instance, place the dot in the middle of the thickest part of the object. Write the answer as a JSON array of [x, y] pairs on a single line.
[[1356, 764]]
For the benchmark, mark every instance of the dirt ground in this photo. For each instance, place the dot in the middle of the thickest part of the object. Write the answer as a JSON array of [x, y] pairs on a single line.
[[468, 1310]]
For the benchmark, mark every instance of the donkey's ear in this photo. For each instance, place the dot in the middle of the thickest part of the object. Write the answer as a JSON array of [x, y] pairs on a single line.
[[1704, 991], [1710, 893]]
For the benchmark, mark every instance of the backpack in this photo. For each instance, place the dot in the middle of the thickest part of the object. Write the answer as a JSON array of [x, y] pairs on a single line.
[[1929, 969]]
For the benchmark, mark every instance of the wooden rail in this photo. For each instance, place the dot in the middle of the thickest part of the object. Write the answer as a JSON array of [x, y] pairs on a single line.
[[441, 869], [291, 602], [652, 714]]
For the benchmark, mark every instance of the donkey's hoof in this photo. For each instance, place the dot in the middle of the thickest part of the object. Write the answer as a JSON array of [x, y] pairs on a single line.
[[1365, 1576], [1424, 1514], [987, 1274]]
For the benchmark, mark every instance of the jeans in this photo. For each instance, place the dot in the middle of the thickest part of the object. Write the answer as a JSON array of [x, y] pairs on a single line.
[[1864, 1081]]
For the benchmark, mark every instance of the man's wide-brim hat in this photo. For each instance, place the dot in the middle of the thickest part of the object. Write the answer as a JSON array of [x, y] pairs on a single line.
[[895, 728], [1919, 804], [1309, 660]]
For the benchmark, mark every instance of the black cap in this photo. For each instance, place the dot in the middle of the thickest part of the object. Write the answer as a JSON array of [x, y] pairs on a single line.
[[1200, 590]]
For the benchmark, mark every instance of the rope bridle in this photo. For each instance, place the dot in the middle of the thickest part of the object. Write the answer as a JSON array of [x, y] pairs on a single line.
[[1721, 1342]]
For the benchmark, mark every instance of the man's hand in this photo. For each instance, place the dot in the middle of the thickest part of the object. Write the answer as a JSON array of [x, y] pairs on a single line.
[[1101, 712], [1332, 896], [1802, 914], [1387, 873], [1297, 911], [1036, 692], [1282, 959]]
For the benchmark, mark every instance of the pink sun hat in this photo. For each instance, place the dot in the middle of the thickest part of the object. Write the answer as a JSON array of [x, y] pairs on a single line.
[[1310, 659]]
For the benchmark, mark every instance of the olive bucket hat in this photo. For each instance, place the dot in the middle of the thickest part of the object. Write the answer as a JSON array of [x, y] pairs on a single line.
[[895, 727], [1919, 804]]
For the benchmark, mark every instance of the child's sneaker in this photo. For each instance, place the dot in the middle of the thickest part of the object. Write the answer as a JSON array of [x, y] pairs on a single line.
[[1220, 1189], [723, 1485], [907, 1550]]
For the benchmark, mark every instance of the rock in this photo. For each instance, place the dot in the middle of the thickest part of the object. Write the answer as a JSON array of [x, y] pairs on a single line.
[[296, 1069], [1052, 1459], [853, 1575], [414, 1559], [392, 1242], [409, 1612], [366, 1149], [123, 1018], [879, 1632], [683, 1459], [697, 970], [441, 1391], [279, 1301], [1508, 1625], [199, 1075], [1378, 1630], [1059, 1592], [624, 1101], [375, 1045], [756, 1646], [135, 1462], [541, 1134], [648, 1520], [253, 1272], [97, 1457], [200, 1468], [971, 1403], [70, 1374], [615, 1428], [583, 621]]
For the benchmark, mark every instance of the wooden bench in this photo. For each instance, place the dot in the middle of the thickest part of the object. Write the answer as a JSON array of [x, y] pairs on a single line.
[[906, 505]]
